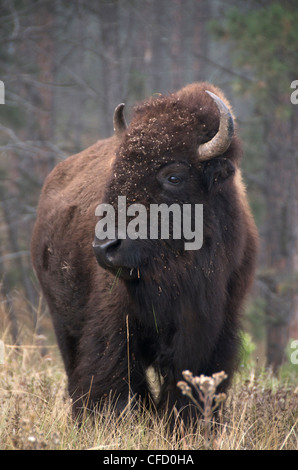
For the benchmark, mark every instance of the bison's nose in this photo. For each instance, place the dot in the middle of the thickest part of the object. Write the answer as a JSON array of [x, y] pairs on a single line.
[[106, 251]]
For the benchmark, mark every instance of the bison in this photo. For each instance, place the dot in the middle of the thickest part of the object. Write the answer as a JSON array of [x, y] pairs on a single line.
[[121, 306]]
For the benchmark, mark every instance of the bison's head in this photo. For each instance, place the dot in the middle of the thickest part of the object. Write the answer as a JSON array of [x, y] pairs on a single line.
[[181, 150]]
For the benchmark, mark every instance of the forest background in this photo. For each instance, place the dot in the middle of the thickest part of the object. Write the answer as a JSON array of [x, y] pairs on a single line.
[[66, 65]]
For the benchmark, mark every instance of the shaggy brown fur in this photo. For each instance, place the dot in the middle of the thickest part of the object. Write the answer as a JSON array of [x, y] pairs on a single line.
[[183, 309]]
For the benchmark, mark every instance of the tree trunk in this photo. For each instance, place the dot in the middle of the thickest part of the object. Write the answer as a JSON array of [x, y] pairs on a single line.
[[281, 236], [45, 62], [177, 44]]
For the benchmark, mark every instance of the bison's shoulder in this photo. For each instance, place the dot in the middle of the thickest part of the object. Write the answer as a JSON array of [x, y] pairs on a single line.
[[65, 223]]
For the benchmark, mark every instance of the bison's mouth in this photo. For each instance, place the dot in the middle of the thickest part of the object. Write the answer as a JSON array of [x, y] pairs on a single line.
[[123, 272]]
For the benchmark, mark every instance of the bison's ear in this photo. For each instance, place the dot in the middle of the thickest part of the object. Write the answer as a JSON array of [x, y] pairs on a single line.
[[216, 172]]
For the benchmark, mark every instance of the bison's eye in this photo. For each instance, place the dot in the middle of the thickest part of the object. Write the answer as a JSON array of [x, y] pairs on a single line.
[[174, 179], [173, 176]]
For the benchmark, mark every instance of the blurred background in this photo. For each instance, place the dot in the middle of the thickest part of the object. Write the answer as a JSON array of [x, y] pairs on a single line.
[[66, 65]]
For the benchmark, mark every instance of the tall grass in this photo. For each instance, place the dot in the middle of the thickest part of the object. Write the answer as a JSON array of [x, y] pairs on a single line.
[[35, 413]]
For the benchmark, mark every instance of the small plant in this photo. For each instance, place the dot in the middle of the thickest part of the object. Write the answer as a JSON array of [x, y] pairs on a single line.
[[207, 401], [248, 347]]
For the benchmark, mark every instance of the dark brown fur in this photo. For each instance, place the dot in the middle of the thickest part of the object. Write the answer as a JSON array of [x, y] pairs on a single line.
[[183, 312]]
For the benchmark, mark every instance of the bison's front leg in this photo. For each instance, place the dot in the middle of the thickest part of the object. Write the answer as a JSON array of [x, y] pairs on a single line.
[[107, 373]]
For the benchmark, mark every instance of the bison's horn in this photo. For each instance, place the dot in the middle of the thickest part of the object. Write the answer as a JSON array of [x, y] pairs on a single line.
[[222, 139], [119, 120]]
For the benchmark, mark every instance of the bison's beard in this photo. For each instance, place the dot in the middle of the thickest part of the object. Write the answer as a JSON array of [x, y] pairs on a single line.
[[175, 310]]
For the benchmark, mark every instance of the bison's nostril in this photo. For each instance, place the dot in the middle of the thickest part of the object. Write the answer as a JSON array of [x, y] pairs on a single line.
[[105, 250]]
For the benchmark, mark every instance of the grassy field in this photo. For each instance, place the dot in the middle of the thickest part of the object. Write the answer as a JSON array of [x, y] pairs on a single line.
[[35, 413]]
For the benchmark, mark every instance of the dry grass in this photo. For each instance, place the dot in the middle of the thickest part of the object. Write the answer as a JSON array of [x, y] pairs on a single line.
[[35, 413]]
